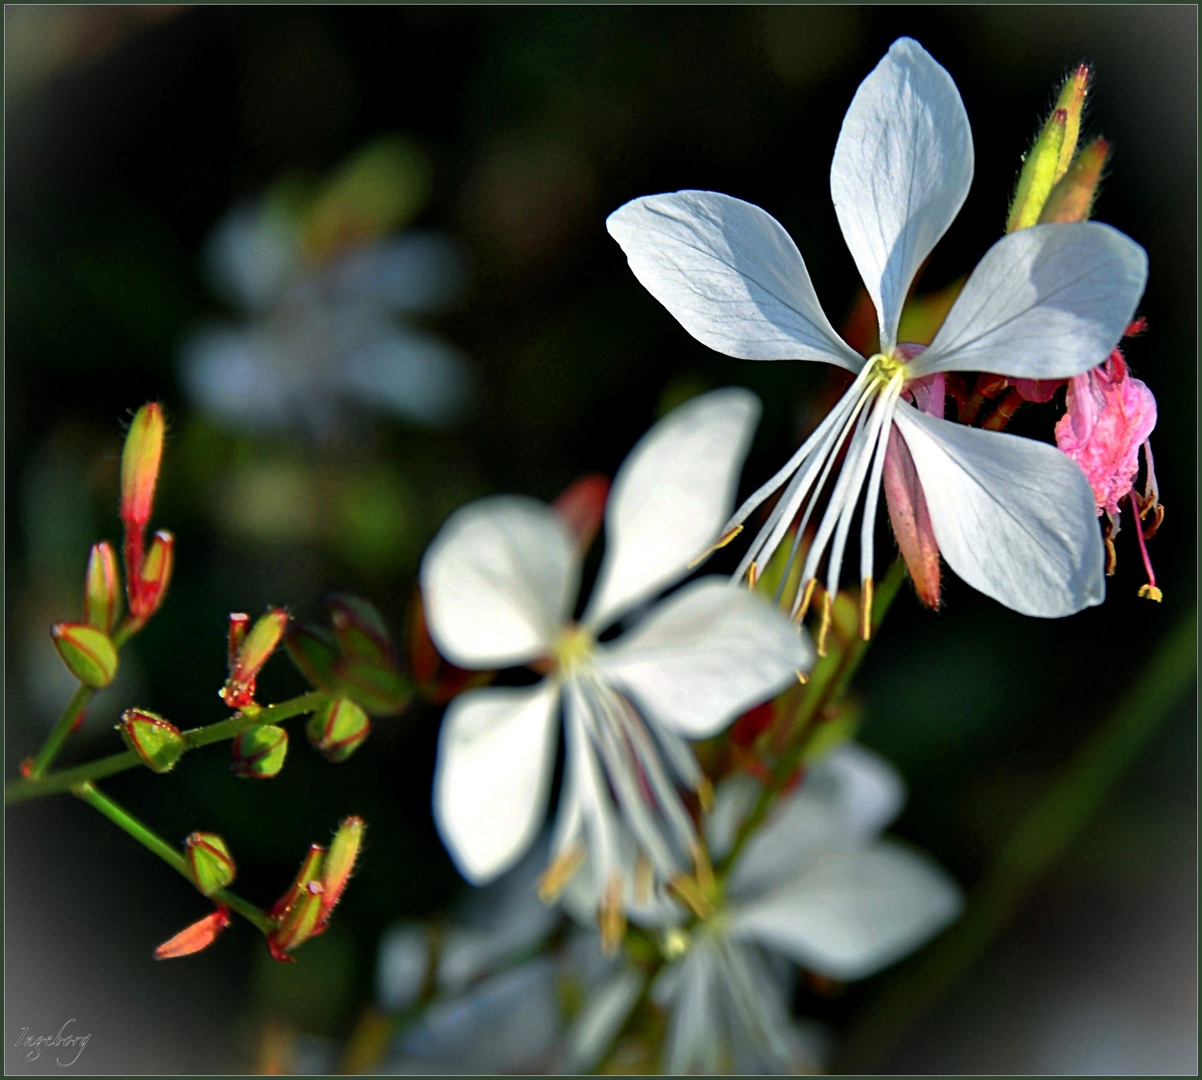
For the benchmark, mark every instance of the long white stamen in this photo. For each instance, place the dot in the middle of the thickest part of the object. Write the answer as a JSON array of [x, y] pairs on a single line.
[[597, 809], [868, 526]]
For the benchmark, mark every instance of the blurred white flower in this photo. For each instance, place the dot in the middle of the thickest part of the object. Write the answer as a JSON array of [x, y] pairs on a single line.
[[814, 886], [1009, 515], [322, 336], [500, 583]]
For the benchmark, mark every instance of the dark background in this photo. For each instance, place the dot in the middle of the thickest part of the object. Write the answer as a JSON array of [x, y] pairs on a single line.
[[130, 132]]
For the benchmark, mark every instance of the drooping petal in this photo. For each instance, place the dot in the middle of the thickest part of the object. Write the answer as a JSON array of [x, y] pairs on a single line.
[[496, 753], [1013, 517], [499, 581], [705, 655], [670, 498], [852, 913], [1044, 303], [730, 274], [902, 169]]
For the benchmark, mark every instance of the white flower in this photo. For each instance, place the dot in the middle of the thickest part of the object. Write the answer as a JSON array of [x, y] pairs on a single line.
[[815, 886], [500, 582], [1011, 516], [320, 337]]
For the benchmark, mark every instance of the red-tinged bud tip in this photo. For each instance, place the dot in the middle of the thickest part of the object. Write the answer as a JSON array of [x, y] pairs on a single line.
[[339, 863], [148, 591], [200, 935], [259, 752], [102, 588], [158, 742], [239, 625], [209, 862], [581, 507], [89, 653], [140, 466], [256, 647]]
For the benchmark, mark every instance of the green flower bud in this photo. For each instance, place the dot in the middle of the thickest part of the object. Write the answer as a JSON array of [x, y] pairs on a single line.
[[209, 862], [339, 863], [140, 465], [299, 910], [157, 742], [258, 644], [1039, 173], [1072, 197], [87, 651], [259, 751], [360, 630], [338, 728], [102, 588]]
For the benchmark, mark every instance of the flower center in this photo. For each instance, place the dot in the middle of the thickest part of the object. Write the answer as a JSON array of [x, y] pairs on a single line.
[[573, 649], [883, 369]]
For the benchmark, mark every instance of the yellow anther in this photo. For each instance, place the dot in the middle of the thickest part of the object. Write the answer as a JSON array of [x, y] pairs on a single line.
[[611, 918], [866, 609], [644, 878], [802, 677], [556, 877], [824, 628], [705, 792], [806, 596], [723, 540], [689, 893], [753, 575], [703, 869], [1150, 592]]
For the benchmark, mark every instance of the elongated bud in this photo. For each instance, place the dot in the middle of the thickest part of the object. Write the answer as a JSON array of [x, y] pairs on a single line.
[[140, 466], [209, 862], [200, 935], [338, 728], [159, 743], [360, 630], [258, 644], [1073, 196], [297, 912], [148, 592], [259, 752], [1038, 174], [339, 864], [1072, 101], [239, 625], [89, 653], [102, 588]]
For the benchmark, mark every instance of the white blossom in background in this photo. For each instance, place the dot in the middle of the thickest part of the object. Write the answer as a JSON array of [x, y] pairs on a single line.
[[1010, 515], [814, 886], [321, 339], [499, 583]]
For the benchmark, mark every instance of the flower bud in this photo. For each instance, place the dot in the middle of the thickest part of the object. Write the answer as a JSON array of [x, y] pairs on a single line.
[[140, 466], [339, 864], [209, 862], [259, 752], [1072, 102], [338, 728], [148, 591], [360, 630], [239, 625], [200, 935], [1039, 173], [156, 741], [253, 653], [88, 652], [297, 912], [1072, 197], [102, 588]]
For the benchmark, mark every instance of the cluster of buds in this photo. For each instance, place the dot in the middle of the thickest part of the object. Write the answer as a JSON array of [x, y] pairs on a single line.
[[357, 661], [147, 572], [249, 649]]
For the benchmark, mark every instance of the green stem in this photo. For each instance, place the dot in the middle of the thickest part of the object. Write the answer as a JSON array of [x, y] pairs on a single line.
[[1041, 838], [155, 843], [819, 695], [31, 788]]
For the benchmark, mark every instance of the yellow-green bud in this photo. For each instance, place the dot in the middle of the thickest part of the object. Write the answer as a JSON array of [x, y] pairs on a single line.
[[339, 863], [297, 912], [338, 728], [209, 862], [256, 647], [1072, 197], [140, 465], [259, 752], [88, 652], [156, 741], [102, 588], [1038, 174]]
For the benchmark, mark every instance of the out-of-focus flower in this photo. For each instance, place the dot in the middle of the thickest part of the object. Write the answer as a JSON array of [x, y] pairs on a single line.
[[814, 886], [1009, 515], [326, 292], [500, 582]]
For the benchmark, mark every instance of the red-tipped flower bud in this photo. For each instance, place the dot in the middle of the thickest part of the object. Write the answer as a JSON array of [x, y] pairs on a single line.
[[140, 466], [239, 625], [259, 752], [209, 862], [297, 912], [88, 653], [1039, 173], [339, 864], [200, 935], [338, 728], [159, 743], [102, 588], [147, 593], [1073, 196], [258, 644], [360, 630]]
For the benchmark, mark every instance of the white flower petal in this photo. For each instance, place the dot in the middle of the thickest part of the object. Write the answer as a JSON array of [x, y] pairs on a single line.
[[705, 655], [496, 753], [1044, 303], [600, 1019], [498, 582], [730, 274], [902, 168], [852, 913], [402, 965], [670, 498], [1014, 518]]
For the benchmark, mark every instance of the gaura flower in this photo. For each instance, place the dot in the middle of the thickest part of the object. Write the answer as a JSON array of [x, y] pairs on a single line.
[[1012, 517], [814, 886], [500, 582]]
